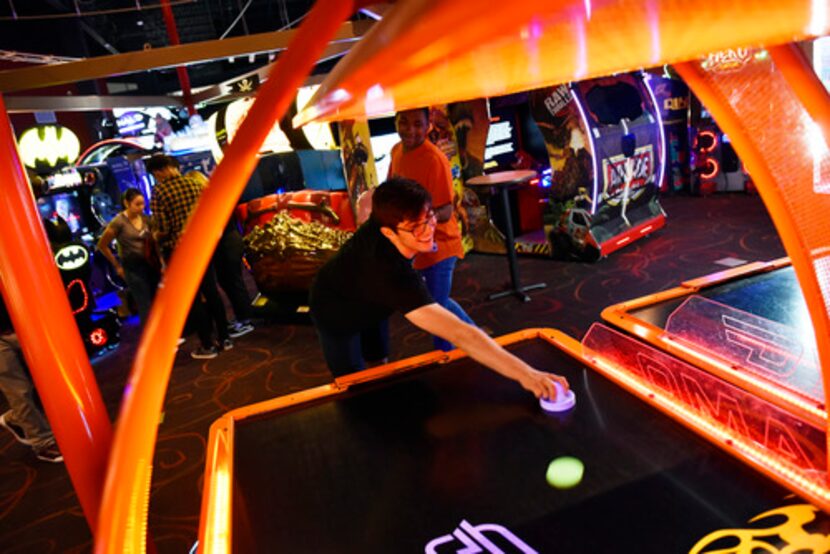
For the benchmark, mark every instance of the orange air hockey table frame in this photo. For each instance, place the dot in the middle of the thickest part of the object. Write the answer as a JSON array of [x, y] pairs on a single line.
[[733, 371], [775, 111], [215, 535]]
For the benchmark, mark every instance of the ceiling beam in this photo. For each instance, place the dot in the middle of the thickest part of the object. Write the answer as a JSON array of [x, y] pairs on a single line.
[[156, 58], [24, 104], [223, 89]]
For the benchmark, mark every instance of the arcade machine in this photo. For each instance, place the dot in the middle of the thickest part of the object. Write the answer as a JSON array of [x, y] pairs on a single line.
[[715, 166], [114, 165], [738, 352], [672, 98], [295, 213], [70, 224], [513, 141], [605, 144]]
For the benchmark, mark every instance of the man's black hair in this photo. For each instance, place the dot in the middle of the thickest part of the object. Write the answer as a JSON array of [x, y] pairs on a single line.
[[398, 200], [159, 162], [424, 111]]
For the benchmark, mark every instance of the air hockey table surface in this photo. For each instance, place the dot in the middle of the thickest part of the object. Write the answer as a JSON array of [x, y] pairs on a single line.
[[450, 455], [753, 319], [774, 295]]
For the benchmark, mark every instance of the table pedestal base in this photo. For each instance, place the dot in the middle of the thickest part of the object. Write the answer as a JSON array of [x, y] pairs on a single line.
[[519, 292]]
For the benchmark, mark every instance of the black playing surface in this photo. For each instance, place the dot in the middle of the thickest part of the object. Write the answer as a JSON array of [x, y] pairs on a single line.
[[774, 295], [392, 466]]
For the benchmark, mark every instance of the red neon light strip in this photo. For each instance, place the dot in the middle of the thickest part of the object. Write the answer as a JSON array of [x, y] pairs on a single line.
[[713, 172], [78, 282]]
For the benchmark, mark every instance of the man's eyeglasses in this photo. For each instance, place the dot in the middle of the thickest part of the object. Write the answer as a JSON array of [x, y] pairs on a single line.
[[421, 227]]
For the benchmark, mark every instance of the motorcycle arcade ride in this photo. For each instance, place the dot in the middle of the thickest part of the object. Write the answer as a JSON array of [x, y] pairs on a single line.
[[605, 143]]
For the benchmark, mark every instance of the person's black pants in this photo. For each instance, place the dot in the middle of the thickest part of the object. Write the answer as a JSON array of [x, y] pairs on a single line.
[[227, 261], [209, 311], [348, 353]]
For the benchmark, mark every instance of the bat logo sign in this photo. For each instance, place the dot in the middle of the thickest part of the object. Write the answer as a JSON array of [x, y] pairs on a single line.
[[71, 257], [48, 145]]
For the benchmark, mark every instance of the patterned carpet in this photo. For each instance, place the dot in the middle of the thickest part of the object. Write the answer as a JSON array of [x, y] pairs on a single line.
[[39, 512]]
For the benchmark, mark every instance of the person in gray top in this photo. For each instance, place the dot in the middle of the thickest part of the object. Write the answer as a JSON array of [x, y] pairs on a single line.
[[131, 231]]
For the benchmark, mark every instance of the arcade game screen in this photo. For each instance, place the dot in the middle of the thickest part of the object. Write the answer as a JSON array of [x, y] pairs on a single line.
[[382, 151], [513, 138], [502, 139], [67, 206], [383, 136], [322, 169]]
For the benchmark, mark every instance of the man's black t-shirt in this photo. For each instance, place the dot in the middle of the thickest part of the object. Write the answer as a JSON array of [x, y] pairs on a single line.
[[364, 283]]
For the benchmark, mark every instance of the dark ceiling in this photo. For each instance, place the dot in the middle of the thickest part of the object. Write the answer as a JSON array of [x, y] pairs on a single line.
[[105, 27]]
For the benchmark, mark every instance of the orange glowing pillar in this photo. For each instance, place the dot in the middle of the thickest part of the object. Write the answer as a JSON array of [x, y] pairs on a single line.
[[793, 65], [126, 495], [795, 204], [43, 320]]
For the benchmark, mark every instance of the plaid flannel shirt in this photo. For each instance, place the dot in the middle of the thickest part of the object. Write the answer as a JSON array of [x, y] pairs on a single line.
[[172, 202]]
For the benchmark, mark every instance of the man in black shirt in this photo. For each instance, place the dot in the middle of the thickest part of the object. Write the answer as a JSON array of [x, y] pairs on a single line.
[[371, 277]]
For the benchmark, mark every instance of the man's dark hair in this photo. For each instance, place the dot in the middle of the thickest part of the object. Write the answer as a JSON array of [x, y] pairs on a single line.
[[424, 111], [159, 162], [398, 200]]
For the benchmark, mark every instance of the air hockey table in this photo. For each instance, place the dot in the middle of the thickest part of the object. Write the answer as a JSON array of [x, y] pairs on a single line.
[[437, 454], [748, 324]]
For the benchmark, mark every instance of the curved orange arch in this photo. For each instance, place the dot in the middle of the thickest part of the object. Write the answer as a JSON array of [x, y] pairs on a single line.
[[775, 137], [123, 521]]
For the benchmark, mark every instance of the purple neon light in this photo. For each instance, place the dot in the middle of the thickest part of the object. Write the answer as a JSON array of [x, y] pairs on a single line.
[[590, 134], [647, 80]]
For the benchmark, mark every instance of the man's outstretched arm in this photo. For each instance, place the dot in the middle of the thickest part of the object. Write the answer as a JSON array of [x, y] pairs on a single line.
[[437, 320]]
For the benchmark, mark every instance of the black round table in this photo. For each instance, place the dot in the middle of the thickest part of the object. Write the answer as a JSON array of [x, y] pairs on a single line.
[[504, 181]]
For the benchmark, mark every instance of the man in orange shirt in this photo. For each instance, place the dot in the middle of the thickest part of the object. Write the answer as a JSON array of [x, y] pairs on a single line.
[[418, 159]]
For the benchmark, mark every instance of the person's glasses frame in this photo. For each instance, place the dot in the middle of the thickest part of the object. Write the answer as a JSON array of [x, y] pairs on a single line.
[[421, 227]]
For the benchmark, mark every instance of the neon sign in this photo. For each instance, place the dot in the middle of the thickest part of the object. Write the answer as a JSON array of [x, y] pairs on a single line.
[[713, 168], [98, 337], [47, 145], [71, 257], [79, 284], [707, 400], [472, 538], [130, 123], [727, 61], [613, 170], [66, 179]]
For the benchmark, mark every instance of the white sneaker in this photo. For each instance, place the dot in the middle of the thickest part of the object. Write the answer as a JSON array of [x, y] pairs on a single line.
[[238, 329], [14, 429], [202, 353]]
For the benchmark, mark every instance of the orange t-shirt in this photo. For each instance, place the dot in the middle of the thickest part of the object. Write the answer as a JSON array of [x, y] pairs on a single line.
[[428, 166]]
